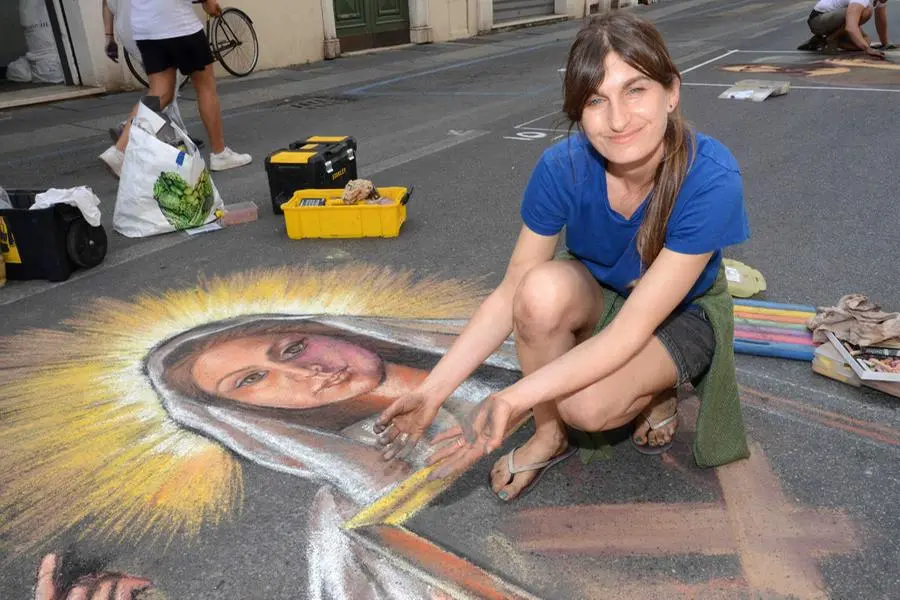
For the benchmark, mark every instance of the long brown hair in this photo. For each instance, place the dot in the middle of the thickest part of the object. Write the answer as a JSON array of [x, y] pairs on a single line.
[[641, 46]]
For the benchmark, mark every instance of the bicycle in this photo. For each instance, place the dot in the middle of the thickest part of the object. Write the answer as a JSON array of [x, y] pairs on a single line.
[[224, 42]]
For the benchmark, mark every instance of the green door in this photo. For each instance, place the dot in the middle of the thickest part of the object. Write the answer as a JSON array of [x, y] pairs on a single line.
[[363, 24]]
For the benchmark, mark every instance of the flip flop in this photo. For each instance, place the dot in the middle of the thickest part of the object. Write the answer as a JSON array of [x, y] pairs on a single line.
[[653, 450], [542, 467]]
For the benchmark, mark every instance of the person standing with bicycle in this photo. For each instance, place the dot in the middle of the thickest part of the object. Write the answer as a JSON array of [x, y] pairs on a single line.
[[170, 37]]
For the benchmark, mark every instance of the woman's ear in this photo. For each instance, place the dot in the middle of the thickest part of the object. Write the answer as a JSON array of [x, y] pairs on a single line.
[[674, 95]]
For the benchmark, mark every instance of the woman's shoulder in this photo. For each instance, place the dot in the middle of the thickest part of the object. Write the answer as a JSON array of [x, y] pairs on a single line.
[[712, 156], [573, 152]]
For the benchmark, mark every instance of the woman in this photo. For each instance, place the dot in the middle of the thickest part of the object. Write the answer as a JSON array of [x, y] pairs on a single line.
[[637, 307]]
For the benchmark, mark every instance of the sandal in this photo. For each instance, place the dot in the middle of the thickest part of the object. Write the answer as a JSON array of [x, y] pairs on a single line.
[[653, 450], [541, 466]]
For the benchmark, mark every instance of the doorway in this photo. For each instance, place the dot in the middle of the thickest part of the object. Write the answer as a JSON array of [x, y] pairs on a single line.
[[514, 10], [364, 24]]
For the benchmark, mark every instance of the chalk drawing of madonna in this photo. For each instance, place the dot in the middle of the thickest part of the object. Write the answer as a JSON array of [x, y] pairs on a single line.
[[300, 395], [296, 393]]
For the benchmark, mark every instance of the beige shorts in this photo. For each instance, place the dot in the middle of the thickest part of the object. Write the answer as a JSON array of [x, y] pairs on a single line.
[[827, 23]]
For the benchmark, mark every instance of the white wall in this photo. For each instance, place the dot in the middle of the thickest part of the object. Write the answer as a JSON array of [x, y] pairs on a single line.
[[289, 32]]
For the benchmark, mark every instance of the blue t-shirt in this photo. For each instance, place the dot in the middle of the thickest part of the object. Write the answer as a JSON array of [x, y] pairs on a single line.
[[568, 189]]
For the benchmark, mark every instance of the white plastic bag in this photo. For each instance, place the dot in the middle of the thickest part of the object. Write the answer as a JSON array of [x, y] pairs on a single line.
[[81, 197], [162, 188], [4, 200], [19, 70], [42, 56]]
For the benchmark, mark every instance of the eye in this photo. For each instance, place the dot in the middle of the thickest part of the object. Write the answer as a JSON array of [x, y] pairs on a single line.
[[636, 90], [595, 101], [252, 379], [293, 349]]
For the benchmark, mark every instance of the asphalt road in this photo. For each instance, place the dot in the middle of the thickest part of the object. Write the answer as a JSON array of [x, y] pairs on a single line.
[[464, 123]]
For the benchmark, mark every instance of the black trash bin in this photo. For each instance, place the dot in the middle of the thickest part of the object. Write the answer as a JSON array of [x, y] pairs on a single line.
[[47, 243]]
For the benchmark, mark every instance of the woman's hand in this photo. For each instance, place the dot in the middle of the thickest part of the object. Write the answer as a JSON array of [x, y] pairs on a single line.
[[480, 433], [403, 423], [212, 8], [99, 586]]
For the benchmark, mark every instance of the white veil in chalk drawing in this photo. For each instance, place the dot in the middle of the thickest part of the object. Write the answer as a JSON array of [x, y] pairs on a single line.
[[312, 443]]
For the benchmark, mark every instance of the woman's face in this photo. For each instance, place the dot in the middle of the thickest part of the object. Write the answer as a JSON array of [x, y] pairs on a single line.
[[625, 119], [287, 370]]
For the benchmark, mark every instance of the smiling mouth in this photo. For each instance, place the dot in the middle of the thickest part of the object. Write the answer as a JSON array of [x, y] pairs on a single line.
[[625, 137]]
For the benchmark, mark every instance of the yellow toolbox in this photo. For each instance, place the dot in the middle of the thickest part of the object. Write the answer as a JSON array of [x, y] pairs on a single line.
[[320, 213]]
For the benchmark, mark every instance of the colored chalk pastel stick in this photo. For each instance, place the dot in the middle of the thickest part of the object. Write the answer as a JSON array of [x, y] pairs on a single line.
[[796, 333], [779, 325], [764, 304], [772, 337], [774, 311], [773, 349], [776, 318]]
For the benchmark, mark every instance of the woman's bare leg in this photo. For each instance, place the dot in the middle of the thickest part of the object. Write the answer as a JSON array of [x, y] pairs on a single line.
[[162, 84], [557, 306], [208, 103]]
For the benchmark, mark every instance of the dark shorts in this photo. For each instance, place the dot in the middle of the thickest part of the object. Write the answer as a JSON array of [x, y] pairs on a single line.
[[686, 334], [689, 338], [188, 53]]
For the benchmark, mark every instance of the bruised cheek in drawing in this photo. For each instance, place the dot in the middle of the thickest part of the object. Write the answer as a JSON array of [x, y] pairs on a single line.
[[287, 370]]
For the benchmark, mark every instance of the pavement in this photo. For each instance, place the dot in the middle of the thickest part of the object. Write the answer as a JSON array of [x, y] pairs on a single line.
[[812, 514]]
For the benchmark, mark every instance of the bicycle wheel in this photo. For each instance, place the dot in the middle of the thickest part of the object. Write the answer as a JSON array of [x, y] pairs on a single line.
[[234, 42], [137, 69]]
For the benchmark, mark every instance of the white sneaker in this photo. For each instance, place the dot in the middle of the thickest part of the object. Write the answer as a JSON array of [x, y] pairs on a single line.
[[228, 159], [114, 159]]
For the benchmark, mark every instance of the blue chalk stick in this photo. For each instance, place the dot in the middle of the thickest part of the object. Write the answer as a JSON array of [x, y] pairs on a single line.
[[764, 304], [774, 349]]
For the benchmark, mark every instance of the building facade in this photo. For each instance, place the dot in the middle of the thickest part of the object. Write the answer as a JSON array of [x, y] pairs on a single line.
[[290, 32]]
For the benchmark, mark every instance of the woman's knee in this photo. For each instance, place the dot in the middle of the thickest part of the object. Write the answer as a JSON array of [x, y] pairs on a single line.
[[583, 416], [204, 81], [545, 302]]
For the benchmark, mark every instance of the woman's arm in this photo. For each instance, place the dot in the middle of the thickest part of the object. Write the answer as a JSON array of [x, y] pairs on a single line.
[[108, 19], [658, 293], [492, 323], [404, 422]]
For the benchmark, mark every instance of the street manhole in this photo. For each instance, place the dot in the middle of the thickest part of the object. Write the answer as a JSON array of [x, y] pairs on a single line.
[[313, 102]]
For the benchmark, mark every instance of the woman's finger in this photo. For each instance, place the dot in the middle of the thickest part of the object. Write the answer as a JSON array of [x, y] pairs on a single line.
[[388, 415], [129, 585], [457, 464], [449, 434], [473, 422], [45, 589], [450, 449], [105, 591], [79, 592], [394, 448], [388, 434]]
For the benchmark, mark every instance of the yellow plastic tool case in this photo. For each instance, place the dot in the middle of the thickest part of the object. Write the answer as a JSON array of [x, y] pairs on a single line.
[[317, 162], [322, 214]]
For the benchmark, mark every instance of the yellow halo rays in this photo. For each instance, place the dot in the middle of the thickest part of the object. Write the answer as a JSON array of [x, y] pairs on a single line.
[[84, 440]]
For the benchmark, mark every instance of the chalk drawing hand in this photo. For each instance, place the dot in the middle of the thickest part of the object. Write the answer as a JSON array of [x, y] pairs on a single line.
[[97, 586], [403, 423], [479, 433]]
